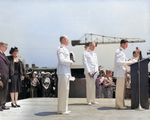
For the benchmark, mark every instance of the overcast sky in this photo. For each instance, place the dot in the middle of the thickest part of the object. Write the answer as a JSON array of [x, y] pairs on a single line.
[[34, 26]]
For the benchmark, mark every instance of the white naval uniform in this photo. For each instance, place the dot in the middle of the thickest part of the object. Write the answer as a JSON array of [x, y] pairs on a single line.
[[63, 73], [119, 73], [90, 63]]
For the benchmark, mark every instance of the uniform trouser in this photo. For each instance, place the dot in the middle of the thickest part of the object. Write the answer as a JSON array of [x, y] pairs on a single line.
[[3, 95], [120, 92], [90, 89], [63, 93]]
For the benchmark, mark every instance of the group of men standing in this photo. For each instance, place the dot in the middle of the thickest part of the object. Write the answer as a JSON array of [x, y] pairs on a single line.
[[90, 63]]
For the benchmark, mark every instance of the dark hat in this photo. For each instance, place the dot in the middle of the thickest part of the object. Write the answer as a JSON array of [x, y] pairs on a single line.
[[13, 50]]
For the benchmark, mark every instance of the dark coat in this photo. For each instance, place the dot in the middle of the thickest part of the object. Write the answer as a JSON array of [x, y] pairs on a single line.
[[4, 69], [11, 67], [21, 71], [4, 77]]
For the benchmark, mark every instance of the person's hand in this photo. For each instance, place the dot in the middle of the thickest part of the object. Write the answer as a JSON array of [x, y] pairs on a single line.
[[9, 80], [1, 84], [22, 77], [128, 63], [90, 75], [112, 84], [71, 62]]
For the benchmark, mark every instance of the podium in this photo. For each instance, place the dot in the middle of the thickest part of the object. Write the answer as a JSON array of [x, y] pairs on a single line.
[[140, 92]]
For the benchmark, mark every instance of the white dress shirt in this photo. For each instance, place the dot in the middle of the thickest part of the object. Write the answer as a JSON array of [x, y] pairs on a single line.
[[135, 59], [63, 61], [120, 60], [90, 62]]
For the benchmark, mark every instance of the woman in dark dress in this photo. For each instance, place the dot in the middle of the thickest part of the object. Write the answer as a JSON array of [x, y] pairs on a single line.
[[16, 74]]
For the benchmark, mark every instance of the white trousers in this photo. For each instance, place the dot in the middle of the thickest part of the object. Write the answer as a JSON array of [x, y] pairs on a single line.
[[63, 93], [120, 92], [90, 89]]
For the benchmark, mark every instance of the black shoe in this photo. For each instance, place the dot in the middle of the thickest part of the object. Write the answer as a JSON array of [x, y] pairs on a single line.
[[17, 105], [12, 105], [5, 108]]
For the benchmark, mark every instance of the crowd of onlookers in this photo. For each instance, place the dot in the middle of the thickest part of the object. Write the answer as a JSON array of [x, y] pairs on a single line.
[[39, 84]]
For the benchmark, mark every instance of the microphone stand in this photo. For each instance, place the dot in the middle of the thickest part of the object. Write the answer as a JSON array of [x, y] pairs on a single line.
[[139, 107]]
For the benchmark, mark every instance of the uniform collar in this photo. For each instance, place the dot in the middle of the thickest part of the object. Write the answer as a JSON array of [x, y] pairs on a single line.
[[121, 49], [62, 45], [90, 51]]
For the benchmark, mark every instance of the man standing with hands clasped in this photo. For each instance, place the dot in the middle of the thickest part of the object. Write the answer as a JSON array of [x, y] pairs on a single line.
[[90, 63], [64, 74], [119, 73]]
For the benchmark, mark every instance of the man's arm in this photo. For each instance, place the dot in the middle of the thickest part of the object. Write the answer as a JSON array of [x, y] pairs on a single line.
[[85, 62], [1, 81], [62, 58], [96, 63], [120, 59]]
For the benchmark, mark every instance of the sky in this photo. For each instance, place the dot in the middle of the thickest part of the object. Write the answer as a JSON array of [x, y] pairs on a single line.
[[34, 26]]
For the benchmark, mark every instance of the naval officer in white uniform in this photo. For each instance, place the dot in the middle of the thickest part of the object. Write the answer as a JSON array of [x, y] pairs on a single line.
[[119, 73], [90, 63], [63, 73]]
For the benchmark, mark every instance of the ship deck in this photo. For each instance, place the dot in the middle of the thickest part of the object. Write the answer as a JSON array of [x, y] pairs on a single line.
[[46, 109]]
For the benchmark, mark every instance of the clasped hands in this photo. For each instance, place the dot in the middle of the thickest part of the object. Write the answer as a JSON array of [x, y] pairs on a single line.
[[1, 84]]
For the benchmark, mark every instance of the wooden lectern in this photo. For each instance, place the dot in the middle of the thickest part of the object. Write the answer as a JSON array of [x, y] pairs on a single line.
[[139, 82]]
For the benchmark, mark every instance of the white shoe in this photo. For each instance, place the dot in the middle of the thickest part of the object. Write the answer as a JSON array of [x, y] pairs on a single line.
[[65, 113], [69, 111], [95, 103], [89, 104]]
